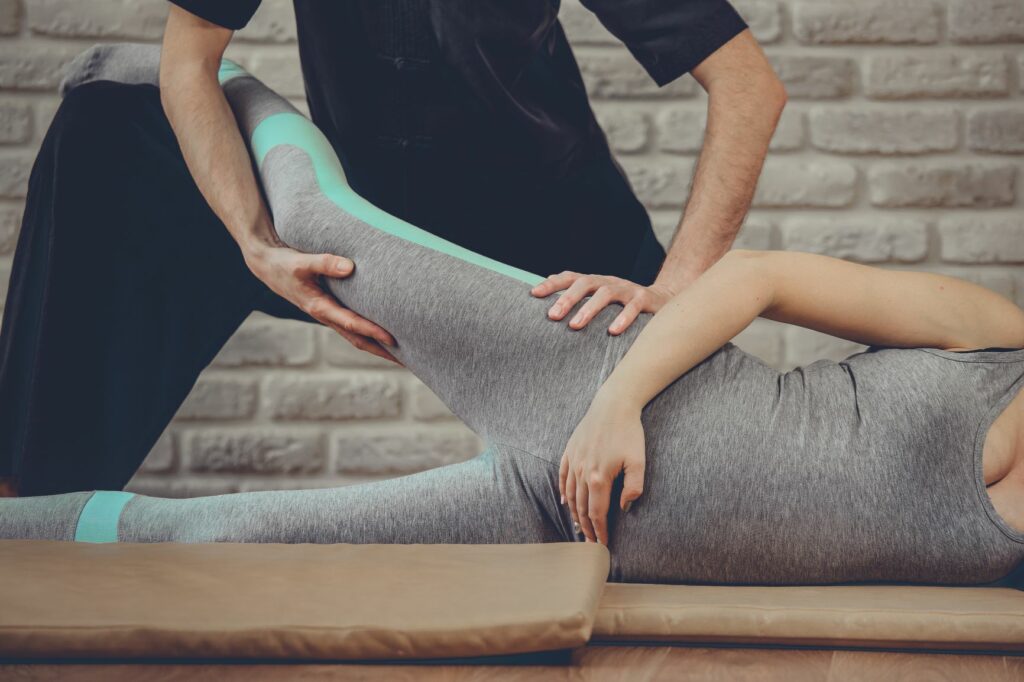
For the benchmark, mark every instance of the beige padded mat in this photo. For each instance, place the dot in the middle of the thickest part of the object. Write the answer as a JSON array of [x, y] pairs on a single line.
[[308, 602], [886, 616]]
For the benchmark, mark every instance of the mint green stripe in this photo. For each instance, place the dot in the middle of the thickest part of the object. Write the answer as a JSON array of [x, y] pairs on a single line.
[[228, 70], [297, 130], [100, 516]]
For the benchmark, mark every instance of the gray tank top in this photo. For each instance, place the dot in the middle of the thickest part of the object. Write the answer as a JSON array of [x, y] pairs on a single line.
[[867, 469]]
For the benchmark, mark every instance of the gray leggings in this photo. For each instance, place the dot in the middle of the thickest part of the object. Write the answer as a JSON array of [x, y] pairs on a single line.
[[466, 325]]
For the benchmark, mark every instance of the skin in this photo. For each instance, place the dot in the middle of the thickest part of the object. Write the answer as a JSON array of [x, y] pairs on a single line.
[[218, 159], [745, 101], [852, 301]]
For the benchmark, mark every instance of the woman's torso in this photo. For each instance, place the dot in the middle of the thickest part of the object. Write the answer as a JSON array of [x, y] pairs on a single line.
[[868, 469]]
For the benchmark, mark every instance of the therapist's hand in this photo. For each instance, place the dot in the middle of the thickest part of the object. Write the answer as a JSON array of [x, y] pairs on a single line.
[[603, 290], [609, 440]]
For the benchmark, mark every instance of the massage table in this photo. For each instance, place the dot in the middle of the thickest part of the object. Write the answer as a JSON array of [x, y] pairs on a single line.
[[452, 612]]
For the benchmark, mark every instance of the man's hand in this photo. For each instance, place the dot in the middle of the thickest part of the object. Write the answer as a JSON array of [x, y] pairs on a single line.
[[602, 289], [295, 276], [608, 440]]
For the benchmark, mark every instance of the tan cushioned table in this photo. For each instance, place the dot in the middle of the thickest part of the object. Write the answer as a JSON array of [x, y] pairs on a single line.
[[882, 616], [305, 602], [348, 602]]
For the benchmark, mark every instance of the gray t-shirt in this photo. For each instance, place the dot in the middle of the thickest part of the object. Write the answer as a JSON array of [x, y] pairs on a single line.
[[864, 469]]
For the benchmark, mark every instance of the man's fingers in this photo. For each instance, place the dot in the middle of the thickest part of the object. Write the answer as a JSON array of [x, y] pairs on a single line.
[[368, 345], [573, 295], [326, 309], [599, 488], [601, 298], [327, 264], [554, 283], [625, 318]]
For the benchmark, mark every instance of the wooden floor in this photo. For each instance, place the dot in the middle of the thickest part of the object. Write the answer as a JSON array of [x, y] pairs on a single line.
[[597, 664]]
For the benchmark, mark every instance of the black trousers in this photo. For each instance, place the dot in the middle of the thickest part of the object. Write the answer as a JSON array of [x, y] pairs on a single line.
[[125, 285]]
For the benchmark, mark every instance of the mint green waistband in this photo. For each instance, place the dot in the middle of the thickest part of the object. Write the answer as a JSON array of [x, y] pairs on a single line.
[[100, 516]]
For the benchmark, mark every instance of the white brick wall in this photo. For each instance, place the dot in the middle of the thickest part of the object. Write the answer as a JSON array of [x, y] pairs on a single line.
[[903, 144]]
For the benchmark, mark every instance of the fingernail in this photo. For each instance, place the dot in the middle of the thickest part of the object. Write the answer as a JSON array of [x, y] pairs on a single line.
[[563, 499], [578, 319], [625, 507], [343, 266]]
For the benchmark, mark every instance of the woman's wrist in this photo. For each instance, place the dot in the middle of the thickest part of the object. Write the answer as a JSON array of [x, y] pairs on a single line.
[[611, 398]]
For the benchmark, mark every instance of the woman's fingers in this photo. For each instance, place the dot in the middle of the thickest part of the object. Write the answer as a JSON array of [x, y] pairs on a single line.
[[563, 470], [583, 507], [599, 491], [570, 499]]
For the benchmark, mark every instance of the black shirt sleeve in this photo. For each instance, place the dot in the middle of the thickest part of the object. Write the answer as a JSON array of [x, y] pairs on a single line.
[[669, 37], [233, 14]]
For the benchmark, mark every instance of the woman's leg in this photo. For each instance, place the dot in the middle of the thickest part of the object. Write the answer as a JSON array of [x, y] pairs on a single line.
[[500, 496], [124, 286]]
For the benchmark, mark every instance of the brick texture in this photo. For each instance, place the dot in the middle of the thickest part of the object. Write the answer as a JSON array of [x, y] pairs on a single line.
[[902, 144]]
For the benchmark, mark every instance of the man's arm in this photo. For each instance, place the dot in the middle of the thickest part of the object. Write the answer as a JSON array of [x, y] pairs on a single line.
[[745, 100], [219, 161]]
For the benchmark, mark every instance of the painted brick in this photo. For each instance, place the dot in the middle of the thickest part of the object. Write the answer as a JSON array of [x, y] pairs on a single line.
[[659, 183], [866, 21], [882, 130], [908, 74], [255, 451], [803, 346], [982, 239], [220, 398], [10, 224], [945, 184], [263, 341], [814, 77], [39, 66], [403, 451], [867, 239], [15, 168], [129, 19], [762, 339], [331, 396], [425, 405], [628, 131], [582, 26], [613, 74], [163, 456], [816, 183], [15, 122], [997, 130], [764, 17], [10, 16], [986, 21]]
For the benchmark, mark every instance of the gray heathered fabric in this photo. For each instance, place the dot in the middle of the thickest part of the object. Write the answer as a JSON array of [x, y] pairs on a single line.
[[866, 469]]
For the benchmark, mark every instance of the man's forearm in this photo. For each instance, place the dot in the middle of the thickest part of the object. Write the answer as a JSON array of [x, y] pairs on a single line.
[[215, 153], [743, 111]]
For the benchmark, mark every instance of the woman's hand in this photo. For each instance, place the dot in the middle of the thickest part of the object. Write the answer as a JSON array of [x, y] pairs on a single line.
[[608, 440], [603, 290], [295, 277]]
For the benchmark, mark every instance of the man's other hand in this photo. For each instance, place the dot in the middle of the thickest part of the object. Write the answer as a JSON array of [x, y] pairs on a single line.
[[603, 290]]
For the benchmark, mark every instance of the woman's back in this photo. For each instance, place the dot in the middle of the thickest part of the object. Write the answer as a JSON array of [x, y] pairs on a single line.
[[859, 470]]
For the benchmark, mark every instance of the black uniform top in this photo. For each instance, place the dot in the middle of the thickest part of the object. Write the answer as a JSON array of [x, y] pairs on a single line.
[[469, 118]]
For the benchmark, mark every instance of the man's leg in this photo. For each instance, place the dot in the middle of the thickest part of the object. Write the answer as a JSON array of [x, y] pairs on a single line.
[[124, 286]]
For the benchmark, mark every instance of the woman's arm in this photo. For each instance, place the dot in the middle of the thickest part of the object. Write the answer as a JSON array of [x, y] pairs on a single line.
[[857, 302], [861, 303]]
